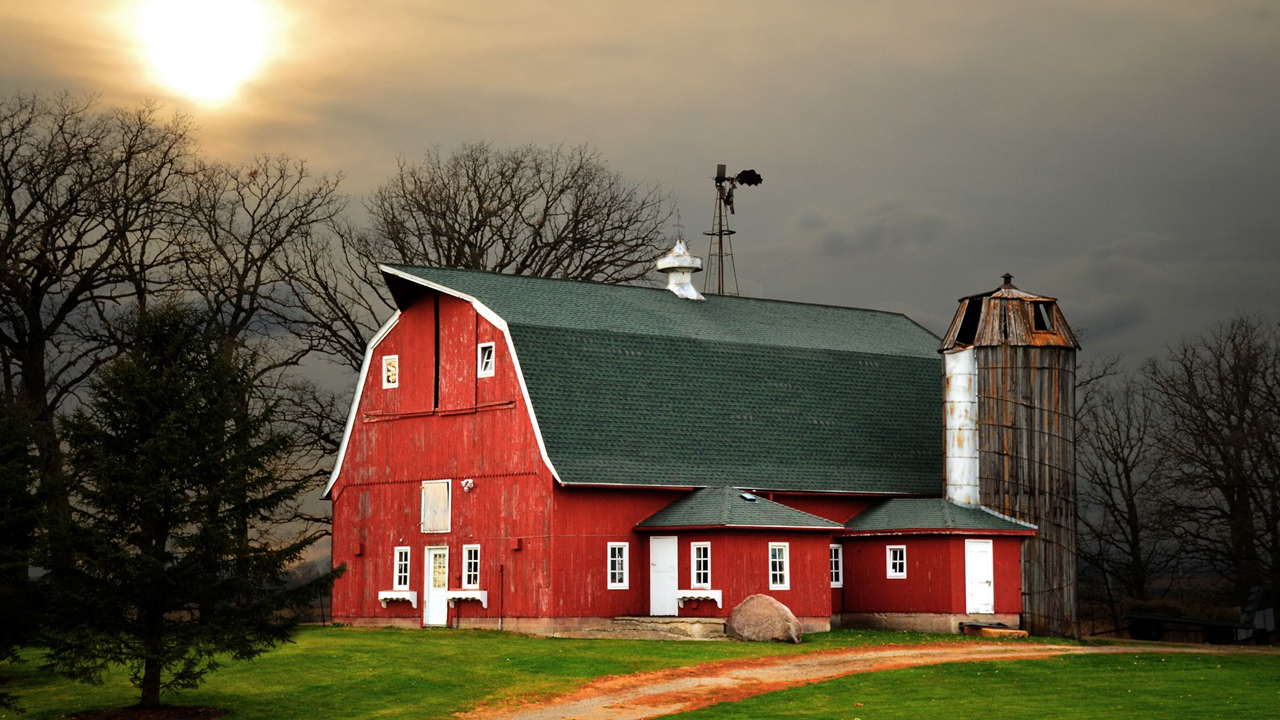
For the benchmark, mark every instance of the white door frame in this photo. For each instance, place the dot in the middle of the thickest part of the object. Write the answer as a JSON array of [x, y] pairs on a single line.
[[664, 577], [979, 578], [435, 597]]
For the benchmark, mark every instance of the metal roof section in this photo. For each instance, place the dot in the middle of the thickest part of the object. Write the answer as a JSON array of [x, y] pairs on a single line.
[[930, 516], [1008, 316], [771, 395], [730, 507]]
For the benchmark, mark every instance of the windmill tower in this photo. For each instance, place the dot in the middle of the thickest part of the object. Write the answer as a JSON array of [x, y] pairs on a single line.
[[1009, 362], [721, 250]]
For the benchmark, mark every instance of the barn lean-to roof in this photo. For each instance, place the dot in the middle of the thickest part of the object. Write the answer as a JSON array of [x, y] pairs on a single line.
[[907, 516], [637, 387], [730, 507]]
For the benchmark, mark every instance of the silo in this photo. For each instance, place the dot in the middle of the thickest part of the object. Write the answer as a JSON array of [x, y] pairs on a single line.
[[1009, 362]]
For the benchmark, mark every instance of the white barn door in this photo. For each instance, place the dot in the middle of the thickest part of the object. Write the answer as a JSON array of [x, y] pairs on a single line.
[[663, 581], [436, 604], [979, 577]]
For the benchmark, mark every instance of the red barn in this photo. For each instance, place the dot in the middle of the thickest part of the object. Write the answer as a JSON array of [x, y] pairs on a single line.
[[544, 455]]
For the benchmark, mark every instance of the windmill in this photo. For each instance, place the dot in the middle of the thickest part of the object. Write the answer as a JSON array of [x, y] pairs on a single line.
[[720, 234]]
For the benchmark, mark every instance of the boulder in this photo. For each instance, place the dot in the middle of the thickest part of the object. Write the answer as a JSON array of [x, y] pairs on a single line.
[[760, 618]]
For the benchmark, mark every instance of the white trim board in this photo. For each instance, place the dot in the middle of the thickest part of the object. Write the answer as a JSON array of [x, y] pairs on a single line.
[[355, 401]]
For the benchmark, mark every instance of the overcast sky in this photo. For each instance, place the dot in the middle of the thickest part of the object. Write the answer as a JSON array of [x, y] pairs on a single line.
[[1121, 156]]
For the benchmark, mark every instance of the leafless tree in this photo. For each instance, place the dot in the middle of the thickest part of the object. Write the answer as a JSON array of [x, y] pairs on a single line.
[[1125, 534], [1220, 427], [86, 198]]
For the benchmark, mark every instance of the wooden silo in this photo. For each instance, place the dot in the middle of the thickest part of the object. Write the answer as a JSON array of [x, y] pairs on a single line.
[[1015, 391]]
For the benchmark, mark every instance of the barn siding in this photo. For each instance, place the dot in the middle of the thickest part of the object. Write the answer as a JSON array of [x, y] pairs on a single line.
[[740, 567], [935, 581]]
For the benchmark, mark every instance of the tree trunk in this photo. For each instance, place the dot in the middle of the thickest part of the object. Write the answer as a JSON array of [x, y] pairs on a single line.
[[150, 682]]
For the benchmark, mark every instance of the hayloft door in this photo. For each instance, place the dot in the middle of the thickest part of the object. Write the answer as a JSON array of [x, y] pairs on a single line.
[[662, 575], [436, 608], [979, 577]]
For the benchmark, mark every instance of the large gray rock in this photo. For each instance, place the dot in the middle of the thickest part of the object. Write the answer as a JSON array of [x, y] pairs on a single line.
[[760, 618]]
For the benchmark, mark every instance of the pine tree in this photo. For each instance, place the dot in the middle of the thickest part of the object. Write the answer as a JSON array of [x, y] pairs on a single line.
[[176, 557]]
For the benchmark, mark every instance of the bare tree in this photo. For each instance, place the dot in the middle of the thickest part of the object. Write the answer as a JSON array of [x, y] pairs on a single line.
[[1220, 427], [85, 199], [1125, 534]]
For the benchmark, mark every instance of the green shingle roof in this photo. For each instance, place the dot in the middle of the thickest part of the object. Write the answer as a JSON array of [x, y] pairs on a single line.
[[635, 386], [900, 514], [731, 507]]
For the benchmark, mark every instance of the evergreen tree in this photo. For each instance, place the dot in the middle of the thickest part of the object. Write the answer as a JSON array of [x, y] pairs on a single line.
[[172, 459], [18, 513]]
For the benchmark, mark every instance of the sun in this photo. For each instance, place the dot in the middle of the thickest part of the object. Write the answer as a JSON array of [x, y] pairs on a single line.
[[204, 49]]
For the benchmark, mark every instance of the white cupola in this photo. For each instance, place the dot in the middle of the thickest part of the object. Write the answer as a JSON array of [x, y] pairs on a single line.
[[680, 266]]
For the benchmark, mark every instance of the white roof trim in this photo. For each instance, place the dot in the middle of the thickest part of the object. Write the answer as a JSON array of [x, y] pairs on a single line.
[[498, 322], [1002, 516], [355, 401]]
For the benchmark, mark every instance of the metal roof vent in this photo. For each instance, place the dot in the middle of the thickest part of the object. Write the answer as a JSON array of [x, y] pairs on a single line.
[[680, 266], [749, 497]]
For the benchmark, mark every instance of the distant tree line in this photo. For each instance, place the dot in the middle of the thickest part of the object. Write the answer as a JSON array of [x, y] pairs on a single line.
[[139, 278], [1179, 474]]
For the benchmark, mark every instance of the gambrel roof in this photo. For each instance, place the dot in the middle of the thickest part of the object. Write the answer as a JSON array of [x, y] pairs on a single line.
[[637, 387]]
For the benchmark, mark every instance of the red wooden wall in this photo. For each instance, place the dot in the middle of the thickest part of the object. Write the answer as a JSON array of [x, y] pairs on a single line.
[[935, 580], [740, 567]]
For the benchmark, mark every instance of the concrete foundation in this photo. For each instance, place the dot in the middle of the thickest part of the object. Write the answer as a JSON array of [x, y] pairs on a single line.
[[920, 622]]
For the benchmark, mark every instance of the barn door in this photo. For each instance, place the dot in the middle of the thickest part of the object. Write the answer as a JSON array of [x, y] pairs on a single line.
[[979, 577], [436, 608], [662, 575]]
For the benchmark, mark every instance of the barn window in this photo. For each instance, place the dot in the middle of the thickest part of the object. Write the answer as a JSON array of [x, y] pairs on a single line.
[[1043, 316], [618, 566], [701, 566], [435, 506], [401, 579], [484, 360], [897, 561], [837, 566], [471, 567], [779, 573], [390, 371]]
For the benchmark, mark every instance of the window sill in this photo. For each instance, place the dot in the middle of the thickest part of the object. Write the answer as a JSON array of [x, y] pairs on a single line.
[[682, 595], [392, 595], [453, 596]]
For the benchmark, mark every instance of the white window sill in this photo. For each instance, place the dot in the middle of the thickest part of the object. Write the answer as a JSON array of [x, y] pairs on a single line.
[[390, 595], [682, 595], [455, 595]]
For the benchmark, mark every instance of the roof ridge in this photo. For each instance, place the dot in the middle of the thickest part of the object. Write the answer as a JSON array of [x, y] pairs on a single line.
[[624, 286]]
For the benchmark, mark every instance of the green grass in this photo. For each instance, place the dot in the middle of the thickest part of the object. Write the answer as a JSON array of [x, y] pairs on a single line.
[[1082, 686], [390, 673]]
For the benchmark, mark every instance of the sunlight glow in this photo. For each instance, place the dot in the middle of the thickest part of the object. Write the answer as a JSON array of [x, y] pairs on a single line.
[[204, 49]]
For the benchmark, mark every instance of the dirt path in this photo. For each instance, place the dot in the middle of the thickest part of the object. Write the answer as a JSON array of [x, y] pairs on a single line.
[[648, 695]]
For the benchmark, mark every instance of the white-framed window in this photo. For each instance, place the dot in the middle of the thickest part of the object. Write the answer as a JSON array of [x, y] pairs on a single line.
[[779, 570], [390, 371], [837, 565], [484, 360], [700, 565], [435, 506], [470, 567], [400, 579], [896, 561], [618, 566]]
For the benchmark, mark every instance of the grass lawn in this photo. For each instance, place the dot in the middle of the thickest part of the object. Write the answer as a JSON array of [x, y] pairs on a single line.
[[1083, 686], [390, 673]]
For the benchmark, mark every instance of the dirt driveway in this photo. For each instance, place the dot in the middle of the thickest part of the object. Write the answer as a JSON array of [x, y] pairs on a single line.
[[648, 695]]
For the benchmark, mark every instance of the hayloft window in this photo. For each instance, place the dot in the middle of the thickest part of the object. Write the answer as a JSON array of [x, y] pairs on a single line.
[[1043, 313], [390, 371], [837, 565], [400, 581], [779, 572], [435, 506], [701, 566], [484, 360], [897, 562], [470, 567], [618, 566]]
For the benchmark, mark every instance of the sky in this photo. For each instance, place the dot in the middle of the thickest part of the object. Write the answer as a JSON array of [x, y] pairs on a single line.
[[1119, 155]]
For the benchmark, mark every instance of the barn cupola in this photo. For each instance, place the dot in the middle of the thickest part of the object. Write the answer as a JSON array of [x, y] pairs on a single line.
[[680, 266], [1009, 369]]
